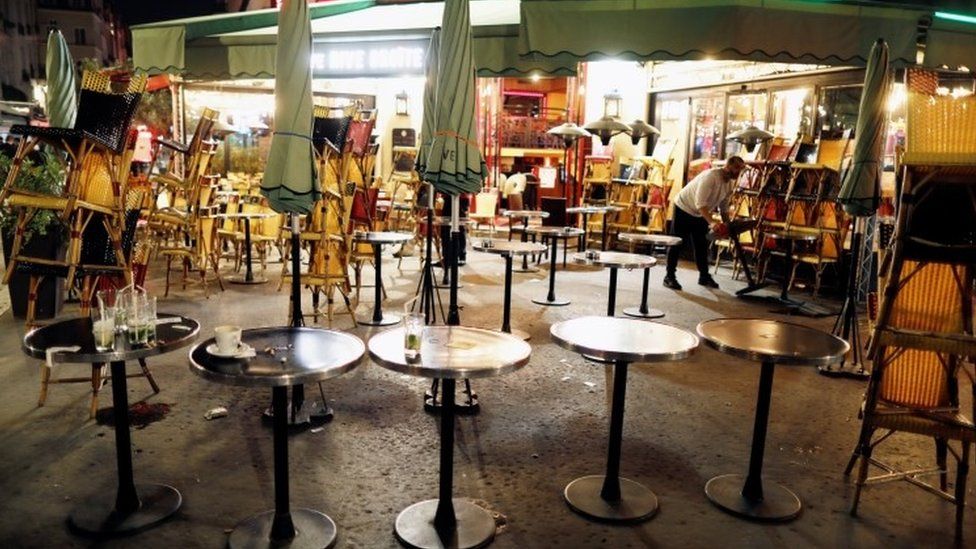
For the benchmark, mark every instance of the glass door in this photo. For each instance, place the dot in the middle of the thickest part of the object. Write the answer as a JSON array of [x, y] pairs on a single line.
[[745, 109], [706, 129]]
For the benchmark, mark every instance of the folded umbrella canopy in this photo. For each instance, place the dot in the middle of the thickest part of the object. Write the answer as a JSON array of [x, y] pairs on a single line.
[[430, 99], [860, 192], [290, 181], [62, 95], [454, 162]]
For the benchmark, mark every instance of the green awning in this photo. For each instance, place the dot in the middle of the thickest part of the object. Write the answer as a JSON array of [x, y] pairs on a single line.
[[242, 45], [757, 30]]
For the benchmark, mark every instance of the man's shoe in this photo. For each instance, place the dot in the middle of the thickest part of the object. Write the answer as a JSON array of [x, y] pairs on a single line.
[[708, 282], [671, 282]]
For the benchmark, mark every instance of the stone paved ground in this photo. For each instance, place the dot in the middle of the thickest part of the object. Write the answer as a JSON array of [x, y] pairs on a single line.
[[539, 429]]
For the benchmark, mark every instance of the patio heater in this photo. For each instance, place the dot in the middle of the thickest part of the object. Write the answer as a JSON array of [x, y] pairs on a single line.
[[640, 129], [606, 128], [570, 133], [750, 137]]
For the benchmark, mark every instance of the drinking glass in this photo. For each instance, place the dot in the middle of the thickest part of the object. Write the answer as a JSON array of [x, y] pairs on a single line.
[[137, 319], [413, 329], [103, 328]]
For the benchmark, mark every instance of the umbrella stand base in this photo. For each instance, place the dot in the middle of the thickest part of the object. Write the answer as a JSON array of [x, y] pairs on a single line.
[[850, 371]]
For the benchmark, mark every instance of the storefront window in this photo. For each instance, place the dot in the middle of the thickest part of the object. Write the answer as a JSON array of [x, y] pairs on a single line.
[[792, 113], [745, 109], [837, 110], [706, 129]]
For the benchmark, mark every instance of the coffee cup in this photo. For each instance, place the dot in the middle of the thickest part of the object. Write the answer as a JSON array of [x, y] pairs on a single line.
[[228, 338]]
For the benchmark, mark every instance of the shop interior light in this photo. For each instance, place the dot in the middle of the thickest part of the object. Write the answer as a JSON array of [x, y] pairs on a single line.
[[606, 128], [640, 129], [612, 104], [402, 104], [750, 137], [570, 132]]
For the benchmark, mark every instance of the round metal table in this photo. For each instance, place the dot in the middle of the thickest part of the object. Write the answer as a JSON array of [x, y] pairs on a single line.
[[525, 215], [620, 341], [301, 355], [135, 507], [248, 277], [554, 234], [769, 342], [586, 211], [449, 353], [508, 250], [378, 239], [665, 240], [614, 261], [790, 238]]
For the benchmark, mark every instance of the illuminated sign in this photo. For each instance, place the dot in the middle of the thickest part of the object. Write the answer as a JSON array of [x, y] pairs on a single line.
[[382, 58]]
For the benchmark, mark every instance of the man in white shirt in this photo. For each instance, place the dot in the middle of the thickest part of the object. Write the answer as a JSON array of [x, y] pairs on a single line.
[[693, 210]]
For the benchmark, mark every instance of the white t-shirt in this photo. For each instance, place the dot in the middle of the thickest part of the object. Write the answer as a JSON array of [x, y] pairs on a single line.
[[710, 189]]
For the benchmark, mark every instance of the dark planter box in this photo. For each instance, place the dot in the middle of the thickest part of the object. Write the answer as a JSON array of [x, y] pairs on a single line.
[[50, 294]]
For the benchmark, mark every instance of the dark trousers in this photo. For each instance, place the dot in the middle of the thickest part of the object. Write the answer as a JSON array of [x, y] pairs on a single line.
[[689, 227]]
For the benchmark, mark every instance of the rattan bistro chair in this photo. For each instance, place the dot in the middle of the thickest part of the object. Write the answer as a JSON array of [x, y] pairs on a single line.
[[97, 170]]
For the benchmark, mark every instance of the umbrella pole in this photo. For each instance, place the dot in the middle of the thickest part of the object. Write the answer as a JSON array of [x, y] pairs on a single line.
[[297, 319], [846, 326], [453, 315]]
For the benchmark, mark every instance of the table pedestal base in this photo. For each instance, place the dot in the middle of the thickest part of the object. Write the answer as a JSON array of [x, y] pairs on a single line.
[[637, 502], [777, 504], [312, 411], [636, 313], [466, 405], [520, 333], [415, 526], [98, 518], [525, 270], [386, 319], [552, 303], [598, 360], [313, 530]]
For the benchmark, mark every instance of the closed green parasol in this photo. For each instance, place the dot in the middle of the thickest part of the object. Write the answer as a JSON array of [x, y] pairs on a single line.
[[430, 99], [860, 192], [290, 181], [454, 163], [62, 94]]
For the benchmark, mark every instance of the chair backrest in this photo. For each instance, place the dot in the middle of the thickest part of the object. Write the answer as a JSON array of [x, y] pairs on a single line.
[[357, 136], [779, 153], [930, 300], [329, 130], [106, 114], [940, 129], [556, 208], [831, 152], [515, 201], [363, 210], [664, 150]]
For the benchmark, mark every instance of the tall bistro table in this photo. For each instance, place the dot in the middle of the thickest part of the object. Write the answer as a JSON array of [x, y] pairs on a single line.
[[248, 277], [586, 211], [135, 506], [302, 355], [621, 341], [554, 234], [449, 353], [525, 216], [378, 240], [615, 261], [769, 342], [665, 240], [508, 250]]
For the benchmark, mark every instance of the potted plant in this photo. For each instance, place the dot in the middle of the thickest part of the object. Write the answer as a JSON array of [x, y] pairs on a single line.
[[41, 172]]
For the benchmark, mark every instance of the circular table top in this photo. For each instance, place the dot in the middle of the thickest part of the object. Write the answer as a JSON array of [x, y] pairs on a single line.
[[658, 239], [619, 260], [567, 232], [624, 339], [773, 341], [452, 352], [311, 354], [170, 335], [791, 235], [525, 213], [442, 220], [246, 215], [382, 237], [509, 247], [594, 209]]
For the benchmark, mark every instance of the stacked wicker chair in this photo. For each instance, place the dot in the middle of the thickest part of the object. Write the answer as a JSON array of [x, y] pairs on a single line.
[[98, 152], [922, 335]]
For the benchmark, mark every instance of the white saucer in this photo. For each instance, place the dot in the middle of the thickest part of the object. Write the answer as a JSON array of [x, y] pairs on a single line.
[[242, 350]]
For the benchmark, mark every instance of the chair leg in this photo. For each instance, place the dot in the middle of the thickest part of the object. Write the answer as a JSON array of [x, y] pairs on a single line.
[[169, 268], [941, 453], [45, 380], [32, 287], [818, 276], [961, 473], [149, 377], [863, 452], [796, 264], [96, 382]]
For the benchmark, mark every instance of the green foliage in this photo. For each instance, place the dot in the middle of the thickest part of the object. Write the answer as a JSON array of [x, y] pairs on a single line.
[[156, 111], [246, 160], [42, 174]]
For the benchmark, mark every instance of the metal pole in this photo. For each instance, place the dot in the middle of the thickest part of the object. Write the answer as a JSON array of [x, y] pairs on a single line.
[[282, 528], [453, 314], [445, 520], [297, 319], [753, 489]]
